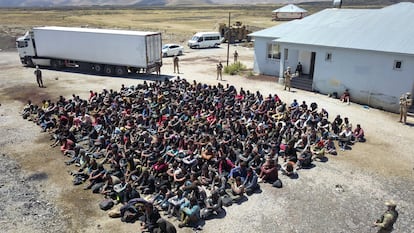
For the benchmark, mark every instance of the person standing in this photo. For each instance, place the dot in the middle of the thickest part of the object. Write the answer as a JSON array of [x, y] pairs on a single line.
[[235, 55], [219, 71], [387, 220], [38, 74], [287, 75], [176, 66], [405, 103]]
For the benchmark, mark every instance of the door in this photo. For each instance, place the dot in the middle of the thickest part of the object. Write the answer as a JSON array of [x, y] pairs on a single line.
[[312, 65]]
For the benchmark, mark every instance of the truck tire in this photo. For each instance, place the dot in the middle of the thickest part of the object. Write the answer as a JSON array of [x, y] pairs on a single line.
[[120, 70], [54, 64], [108, 70], [165, 55], [29, 62], [98, 68], [180, 53]]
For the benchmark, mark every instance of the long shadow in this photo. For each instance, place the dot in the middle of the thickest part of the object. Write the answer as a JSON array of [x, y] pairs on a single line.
[[38, 176], [141, 76]]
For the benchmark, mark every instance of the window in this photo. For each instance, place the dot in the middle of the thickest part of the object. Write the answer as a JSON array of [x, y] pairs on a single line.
[[211, 38], [397, 65], [273, 51], [328, 57], [22, 44]]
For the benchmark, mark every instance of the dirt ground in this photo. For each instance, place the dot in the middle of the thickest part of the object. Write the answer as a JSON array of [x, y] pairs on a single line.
[[36, 193]]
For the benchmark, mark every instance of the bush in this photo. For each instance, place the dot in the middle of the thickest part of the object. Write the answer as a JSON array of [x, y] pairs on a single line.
[[234, 68]]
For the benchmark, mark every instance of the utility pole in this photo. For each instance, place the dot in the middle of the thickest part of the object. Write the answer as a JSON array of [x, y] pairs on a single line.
[[228, 41]]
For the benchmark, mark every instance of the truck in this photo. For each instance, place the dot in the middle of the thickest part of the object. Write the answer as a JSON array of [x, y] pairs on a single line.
[[235, 33], [101, 51]]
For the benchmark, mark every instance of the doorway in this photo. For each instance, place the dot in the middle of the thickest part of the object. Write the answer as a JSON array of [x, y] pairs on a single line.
[[312, 65]]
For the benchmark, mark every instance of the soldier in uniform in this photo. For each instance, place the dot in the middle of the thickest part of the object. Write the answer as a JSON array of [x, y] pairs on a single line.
[[287, 75], [388, 219], [236, 55], [405, 103], [219, 71], [176, 67], [38, 74]]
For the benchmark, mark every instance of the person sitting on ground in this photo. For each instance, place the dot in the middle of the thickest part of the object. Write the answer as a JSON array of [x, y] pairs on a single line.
[[151, 217], [345, 138], [251, 181], [237, 187], [288, 168], [213, 205], [359, 134], [240, 170], [190, 213], [330, 146], [305, 158], [164, 226], [318, 150], [345, 97], [268, 172], [174, 203]]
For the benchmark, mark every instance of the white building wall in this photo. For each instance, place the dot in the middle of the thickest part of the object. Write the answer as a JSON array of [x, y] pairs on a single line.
[[262, 64], [370, 76]]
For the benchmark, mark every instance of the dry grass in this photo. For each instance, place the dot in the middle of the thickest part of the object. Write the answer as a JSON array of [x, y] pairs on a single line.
[[174, 22]]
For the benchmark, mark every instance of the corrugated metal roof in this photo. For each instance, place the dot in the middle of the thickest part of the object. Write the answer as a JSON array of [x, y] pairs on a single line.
[[97, 30], [390, 29], [290, 8]]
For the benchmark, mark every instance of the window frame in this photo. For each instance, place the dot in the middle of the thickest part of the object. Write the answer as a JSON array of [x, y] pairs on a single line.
[[270, 51], [396, 62], [328, 56]]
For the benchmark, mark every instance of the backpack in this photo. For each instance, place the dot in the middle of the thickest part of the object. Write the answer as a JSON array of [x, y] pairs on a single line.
[[227, 200], [77, 180], [106, 204], [277, 184]]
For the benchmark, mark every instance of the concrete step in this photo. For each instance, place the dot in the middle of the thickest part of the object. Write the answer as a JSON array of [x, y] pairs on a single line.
[[302, 83]]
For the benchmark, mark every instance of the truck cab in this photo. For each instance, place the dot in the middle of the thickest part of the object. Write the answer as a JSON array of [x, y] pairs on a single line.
[[25, 47]]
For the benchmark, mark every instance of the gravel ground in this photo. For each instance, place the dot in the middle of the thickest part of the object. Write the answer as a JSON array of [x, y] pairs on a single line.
[[344, 194]]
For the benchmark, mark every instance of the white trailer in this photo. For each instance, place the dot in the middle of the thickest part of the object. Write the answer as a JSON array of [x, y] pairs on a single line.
[[101, 50]]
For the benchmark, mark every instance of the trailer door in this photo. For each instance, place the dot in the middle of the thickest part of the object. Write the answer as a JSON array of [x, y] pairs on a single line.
[[154, 49]]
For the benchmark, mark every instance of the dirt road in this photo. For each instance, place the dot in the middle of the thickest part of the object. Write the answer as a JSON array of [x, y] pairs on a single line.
[[36, 192]]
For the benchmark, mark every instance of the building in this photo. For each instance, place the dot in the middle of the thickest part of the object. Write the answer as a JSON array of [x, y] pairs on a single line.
[[288, 12], [368, 51]]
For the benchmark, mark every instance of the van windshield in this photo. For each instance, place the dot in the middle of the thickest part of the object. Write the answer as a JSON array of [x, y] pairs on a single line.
[[195, 38]]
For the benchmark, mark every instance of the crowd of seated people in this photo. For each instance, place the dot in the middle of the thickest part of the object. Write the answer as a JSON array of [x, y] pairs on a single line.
[[179, 147]]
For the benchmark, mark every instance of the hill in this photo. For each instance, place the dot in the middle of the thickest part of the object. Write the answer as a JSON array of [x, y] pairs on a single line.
[[60, 3]]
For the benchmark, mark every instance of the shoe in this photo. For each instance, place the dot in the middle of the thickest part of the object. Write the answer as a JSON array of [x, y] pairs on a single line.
[[181, 225], [260, 180]]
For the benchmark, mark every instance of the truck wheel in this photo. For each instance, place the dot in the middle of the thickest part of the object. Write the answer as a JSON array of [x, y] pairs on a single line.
[[54, 64], [120, 70], [29, 62], [180, 53], [165, 55], [97, 68], [108, 70]]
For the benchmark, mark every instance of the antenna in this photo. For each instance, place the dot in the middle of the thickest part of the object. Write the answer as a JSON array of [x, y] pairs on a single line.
[[337, 3]]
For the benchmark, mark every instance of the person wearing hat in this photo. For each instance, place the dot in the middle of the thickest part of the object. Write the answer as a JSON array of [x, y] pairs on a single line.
[[38, 74], [176, 66], [405, 103], [287, 75], [387, 220]]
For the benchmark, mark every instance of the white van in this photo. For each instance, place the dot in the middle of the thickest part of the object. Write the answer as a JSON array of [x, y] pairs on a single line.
[[205, 40]]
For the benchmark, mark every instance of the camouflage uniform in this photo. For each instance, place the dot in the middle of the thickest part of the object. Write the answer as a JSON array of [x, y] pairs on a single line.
[[405, 103]]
